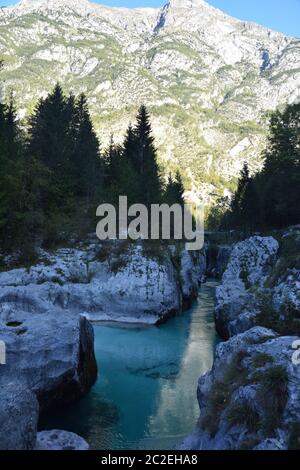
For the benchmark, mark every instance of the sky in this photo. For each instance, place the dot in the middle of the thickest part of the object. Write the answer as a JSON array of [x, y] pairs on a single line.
[[279, 15]]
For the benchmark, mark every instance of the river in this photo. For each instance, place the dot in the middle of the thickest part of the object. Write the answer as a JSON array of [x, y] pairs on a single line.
[[145, 395]]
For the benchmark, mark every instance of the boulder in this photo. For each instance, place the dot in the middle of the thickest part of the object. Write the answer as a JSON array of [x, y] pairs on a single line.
[[251, 397], [19, 411], [51, 352], [57, 439], [250, 264]]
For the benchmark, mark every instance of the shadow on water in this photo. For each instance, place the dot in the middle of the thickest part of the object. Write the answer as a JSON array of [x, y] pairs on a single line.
[[145, 395]]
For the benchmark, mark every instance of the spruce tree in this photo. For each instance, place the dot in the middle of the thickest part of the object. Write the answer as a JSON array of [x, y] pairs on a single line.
[[281, 174], [145, 160], [87, 162], [174, 190]]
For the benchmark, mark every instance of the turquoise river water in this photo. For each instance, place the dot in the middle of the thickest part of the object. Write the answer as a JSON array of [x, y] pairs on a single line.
[[145, 395]]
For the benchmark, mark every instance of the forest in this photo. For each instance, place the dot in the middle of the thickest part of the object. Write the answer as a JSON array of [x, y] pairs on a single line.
[[53, 174], [269, 199]]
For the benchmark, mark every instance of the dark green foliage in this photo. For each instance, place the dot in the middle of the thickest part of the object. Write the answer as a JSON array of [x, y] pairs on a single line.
[[271, 199], [287, 322], [261, 359], [244, 206], [50, 178], [274, 396], [61, 136], [144, 160], [234, 376], [174, 190], [19, 212], [243, 414]]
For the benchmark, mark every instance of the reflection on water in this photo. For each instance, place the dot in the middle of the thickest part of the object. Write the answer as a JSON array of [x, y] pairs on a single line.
[[145, 396]]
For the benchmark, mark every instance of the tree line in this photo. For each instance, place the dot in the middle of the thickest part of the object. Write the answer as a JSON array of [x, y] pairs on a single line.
[[271, 198], [53, 174]]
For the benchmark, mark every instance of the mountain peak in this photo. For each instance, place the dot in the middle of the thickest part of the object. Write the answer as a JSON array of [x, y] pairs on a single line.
[[187, 3], [67, 2]]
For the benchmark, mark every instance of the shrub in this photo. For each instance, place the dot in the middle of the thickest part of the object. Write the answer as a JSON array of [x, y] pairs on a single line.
[[274, 395], [261, 359], [243, 413], [234, 376]]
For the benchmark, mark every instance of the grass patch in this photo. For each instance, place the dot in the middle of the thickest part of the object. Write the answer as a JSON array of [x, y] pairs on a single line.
[[261, 359], [235, 375], [274, 395], [243, 414], [154, 249], [287, 322]]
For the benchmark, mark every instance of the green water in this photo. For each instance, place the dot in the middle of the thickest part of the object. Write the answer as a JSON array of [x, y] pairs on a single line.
[[145, 395]]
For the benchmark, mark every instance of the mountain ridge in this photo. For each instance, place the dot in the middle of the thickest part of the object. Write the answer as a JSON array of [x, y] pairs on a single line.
[[209, 80]]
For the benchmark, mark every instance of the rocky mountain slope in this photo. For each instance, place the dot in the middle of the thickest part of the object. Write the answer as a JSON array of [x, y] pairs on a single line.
[[208, 79]]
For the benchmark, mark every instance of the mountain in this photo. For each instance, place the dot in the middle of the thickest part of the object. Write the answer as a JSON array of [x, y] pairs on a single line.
[[209, 80]]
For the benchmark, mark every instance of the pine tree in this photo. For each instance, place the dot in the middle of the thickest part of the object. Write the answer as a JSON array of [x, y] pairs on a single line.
[[174, 190], [86, 162], [51, 143], [19, 212], [237, 214], [145, 160], [281, 175]]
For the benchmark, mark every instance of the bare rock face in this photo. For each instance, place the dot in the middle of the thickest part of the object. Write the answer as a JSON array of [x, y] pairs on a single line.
[[251, 397], [250, 264], [49, 362], [261, 286], [57, 439], [104, 282], [51, 353], [19, 411], [192, 272]]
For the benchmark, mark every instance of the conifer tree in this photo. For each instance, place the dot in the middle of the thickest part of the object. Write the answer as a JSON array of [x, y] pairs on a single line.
[[87, 163], [174, 190], [145, 160]]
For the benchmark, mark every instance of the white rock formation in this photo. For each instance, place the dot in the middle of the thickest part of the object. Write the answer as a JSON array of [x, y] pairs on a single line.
[[249, 265], [57, 439], [124, 287], [19, 411]]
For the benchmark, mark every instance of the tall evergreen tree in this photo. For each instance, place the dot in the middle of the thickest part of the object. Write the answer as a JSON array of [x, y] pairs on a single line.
[[145, 160], [281, 174], [271, 199], [238, 199], [87, 163], [174, 190], [51, 143]]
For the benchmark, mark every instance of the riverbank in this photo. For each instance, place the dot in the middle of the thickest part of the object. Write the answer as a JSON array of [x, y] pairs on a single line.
[[145, 395]]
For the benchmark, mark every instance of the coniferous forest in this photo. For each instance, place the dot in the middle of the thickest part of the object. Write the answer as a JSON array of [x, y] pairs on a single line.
[[53, 174], [269, 199]]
